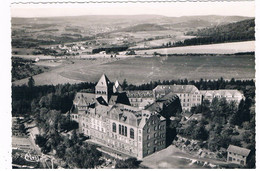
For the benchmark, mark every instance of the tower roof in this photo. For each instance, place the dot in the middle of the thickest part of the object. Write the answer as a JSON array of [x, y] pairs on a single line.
[[103, 81], [117, 84]]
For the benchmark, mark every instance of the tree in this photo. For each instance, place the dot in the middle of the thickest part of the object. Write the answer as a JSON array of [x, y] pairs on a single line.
[[124, 84], [40, 140], [131, 163], [31, 82], [200, 133]]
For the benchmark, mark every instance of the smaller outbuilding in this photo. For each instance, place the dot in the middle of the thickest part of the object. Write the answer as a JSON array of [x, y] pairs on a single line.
[[237, 155]]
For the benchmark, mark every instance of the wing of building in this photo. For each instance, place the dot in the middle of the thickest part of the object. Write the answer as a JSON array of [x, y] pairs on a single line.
[[189, 94], [108, 118], [230, 95]]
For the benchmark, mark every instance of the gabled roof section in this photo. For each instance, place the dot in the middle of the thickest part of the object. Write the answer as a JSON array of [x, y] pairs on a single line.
[[84, 99], [238, 150], [101, 101], [103, 81], [117, 84]]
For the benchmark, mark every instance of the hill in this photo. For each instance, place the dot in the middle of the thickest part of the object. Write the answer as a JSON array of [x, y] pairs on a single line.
[[242, 30], [144, 27]]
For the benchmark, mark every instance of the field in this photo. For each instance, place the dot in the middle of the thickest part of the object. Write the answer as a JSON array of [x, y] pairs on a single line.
[[222, 48], [143, 70]]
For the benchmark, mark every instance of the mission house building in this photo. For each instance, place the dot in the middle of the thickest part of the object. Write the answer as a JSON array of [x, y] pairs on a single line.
[[107, 117], [130, 122]]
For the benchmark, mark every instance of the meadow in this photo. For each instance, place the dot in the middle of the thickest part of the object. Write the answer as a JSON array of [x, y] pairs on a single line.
[[143, 70], [221, 48]]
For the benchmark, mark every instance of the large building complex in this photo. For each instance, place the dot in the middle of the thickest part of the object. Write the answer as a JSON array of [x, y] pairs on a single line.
[[107, 117], [134, 122]]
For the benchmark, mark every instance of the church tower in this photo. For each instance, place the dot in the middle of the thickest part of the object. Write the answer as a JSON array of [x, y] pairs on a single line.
[[104, 88]]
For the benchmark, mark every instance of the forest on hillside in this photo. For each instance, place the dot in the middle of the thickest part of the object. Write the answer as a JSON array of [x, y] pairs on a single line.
[[243, 30], [233, 32]]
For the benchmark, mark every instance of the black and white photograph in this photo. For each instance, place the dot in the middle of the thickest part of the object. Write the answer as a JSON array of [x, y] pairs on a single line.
[[133, 85]]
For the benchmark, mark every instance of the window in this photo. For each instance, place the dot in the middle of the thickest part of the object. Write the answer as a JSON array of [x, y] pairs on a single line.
[[148, 144], [148, 151], [132, 134], [148, 130], [155, 142], [139, 138], [114, 127], [155, 128], [122, 130], [148, 137], [155, 135]]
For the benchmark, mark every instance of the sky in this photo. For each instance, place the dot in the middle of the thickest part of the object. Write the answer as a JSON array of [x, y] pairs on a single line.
[[173, 9]]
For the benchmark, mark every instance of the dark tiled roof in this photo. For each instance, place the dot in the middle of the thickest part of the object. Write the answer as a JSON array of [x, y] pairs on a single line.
[[101, 101], [74, 110], [238, 150]]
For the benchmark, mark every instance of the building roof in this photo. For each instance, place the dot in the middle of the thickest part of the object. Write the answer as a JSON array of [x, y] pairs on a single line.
[[103, 81], [177, 88], [117, 84], [140, 94], [101, 101], [83, 99], [238, 150], [221, 92]]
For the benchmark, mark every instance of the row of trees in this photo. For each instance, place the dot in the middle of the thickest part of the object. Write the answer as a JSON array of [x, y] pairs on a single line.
[[110, 49]]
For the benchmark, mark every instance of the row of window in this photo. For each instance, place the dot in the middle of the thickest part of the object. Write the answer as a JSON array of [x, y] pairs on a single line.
[[101, 92], [159, 127], [156, 135], [123, 130], [123, 146], [74, 116], [135, 100], [155, 143]]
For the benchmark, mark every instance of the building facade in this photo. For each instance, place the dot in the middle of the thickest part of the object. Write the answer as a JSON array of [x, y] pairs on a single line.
[[107, 117], [140, 98], [237, 155], [189, 95], [230, 95]]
